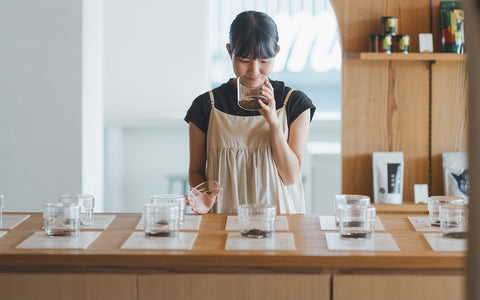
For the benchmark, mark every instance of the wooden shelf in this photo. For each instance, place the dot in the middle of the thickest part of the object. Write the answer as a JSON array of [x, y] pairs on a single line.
[[403, 56]]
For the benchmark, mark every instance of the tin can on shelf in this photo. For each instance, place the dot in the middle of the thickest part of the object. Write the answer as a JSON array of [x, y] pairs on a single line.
[[384, 43], [372, 43], [401, 43], [390, 25], [452, 21]]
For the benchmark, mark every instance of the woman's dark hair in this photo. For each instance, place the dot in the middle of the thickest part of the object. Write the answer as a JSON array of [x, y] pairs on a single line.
[[253, 33]]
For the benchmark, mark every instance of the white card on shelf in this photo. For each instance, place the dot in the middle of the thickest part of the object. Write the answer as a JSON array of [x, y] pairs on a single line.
[[2, 233], [11, 221], [191, 222], [423, 224], [233, 223], [138, 240], [328, 223], [279, 241], [99, 222], [379, 242], [438, 243], [40, 240]]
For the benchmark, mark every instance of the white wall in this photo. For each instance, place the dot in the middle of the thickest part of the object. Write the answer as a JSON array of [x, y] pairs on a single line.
[[40, 101], [154, 57]]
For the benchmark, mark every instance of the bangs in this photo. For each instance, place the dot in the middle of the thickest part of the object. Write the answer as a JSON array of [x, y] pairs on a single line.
[[256, 45]]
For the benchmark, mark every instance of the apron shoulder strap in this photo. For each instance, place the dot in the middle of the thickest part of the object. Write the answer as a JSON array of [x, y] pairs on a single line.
[[287, 97], [212, 100]]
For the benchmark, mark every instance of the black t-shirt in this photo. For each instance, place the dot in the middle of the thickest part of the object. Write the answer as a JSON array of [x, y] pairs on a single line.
[[225, 97]]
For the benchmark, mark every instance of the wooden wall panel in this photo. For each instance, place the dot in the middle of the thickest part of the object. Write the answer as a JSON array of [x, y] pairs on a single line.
[[21, 286], [385, 108], [398, 287], [234, 286], [449, 115], [358, 19]]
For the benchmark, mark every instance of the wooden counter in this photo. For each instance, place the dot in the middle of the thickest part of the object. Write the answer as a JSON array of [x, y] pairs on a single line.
[[311, 260]]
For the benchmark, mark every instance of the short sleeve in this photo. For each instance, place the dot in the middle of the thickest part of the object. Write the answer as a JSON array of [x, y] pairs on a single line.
[[199, 112], [297, 104]]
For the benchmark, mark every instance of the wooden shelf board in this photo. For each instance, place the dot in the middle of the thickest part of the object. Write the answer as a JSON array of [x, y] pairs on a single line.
[[403, 56]]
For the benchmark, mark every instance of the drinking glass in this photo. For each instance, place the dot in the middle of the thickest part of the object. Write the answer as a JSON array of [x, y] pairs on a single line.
[[86, 203], [61, 219], [203, 196], [257, 220], [248, 96], [172, 198], [357, 221], [434, 204], [454, 220], [161, 219], [350, 200]]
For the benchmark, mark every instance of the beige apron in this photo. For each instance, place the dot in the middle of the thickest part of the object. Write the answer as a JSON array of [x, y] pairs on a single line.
[[240, 158]]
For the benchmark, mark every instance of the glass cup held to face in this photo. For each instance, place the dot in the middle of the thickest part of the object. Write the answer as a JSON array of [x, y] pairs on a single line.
[[357, 221], [257, 220], [171, 198], [203, 196], [454, 220], [161, 219], [434, 204], [249, 91], [86, 203], [344, 199]]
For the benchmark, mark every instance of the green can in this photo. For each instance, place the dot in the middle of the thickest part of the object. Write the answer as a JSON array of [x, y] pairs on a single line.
[[385, 43], [452, 21], [390, 25], [401, 43]]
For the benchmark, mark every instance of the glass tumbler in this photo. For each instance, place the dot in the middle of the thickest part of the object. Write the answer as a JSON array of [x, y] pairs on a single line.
[[204, 195], [172, 198], [357, 221], [257, 220], [454, 221], [350, 200], [161, 219], [249, 92], [86, 203], [61, 219], [434, 204]]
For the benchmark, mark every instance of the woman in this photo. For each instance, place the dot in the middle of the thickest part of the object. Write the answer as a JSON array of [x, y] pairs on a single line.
[[256, 156]]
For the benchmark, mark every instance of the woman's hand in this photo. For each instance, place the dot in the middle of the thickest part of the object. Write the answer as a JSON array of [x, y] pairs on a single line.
[[269, 110]]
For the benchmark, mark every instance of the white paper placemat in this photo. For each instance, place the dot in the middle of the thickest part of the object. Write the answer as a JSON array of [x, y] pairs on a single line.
[[438, 243], [280, 241], [380, 242], [233, 223], [39, 240], [183, 241], [2, 233], [328, 223], [423, 224], [99, 222], [11, 221], [191, 222]]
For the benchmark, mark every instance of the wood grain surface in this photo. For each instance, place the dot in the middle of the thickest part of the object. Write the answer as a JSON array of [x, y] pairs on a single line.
[[208, 250]]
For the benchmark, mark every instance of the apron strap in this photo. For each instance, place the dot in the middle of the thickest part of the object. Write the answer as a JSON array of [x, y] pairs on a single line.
[[286, 98], [212, 101]]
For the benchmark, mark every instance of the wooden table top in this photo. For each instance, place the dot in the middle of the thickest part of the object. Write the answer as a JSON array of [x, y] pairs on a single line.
[[208, 249]]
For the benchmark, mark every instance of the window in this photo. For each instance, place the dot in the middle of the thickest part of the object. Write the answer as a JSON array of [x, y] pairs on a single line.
[[310, 54]]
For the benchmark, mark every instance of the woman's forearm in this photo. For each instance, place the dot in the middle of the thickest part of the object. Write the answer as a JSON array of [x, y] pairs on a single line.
[[288, 164], [288, 154]]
